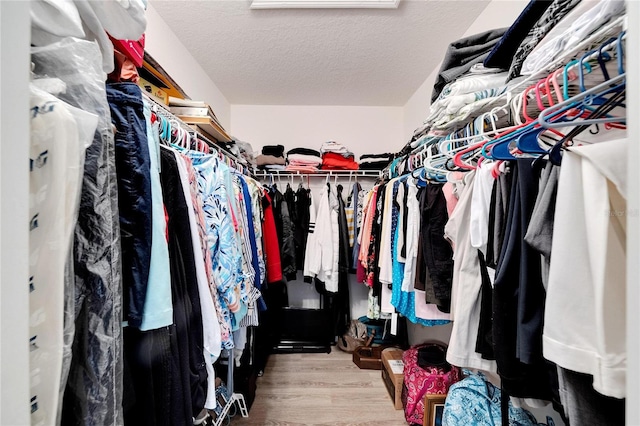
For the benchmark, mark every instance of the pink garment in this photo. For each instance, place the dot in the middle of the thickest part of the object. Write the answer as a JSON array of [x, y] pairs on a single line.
[[303, 163], [367, 225], [302, 169], [428, 311], [450, 197], [361, 274]]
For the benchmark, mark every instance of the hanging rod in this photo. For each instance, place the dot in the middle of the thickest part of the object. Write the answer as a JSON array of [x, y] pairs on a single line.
[[319, 173], [598, 36]]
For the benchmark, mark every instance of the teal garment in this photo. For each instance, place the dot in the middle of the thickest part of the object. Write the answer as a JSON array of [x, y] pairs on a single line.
[[158, 306], [404, 302]]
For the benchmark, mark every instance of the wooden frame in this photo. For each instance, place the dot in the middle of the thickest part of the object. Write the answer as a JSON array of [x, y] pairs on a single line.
[[433, 409]]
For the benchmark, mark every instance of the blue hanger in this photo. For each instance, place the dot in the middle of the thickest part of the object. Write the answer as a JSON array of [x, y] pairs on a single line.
[[565, 76], [620, 51], [597, 91]]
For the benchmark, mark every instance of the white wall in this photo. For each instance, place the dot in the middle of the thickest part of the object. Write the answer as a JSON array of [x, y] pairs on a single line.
[[362, 129], [165, 47], [633, 220], [15, 33], [498, 14]]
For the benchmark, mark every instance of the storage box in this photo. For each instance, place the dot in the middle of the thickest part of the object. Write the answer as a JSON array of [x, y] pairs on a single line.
[[153, 90], [369, 357], [393, 374]]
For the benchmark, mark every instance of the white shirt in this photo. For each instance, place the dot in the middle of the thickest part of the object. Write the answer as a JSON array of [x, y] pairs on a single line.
[[411, 243], [585, 316], [466, 286], [480, 205], [385, 259], [322, 246]]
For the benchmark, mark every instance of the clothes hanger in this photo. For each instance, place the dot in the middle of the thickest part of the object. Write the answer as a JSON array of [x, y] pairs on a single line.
[[555, 152], [615, 85], [527, 135], [499, 148], [473, 148], [528, 141]]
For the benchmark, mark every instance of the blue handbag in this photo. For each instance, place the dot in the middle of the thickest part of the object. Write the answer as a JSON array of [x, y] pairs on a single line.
[[476, 401]]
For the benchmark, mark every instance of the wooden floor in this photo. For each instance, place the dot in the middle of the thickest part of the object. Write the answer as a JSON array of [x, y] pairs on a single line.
[[320, 389]]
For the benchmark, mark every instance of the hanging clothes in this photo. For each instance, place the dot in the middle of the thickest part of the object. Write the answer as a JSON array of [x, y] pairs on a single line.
[[187, 315], [212, 318], [272, 249], [158, 309], [586, 304], [323, 244], [226, 259], [302, 223], [285, 232], [92, 361], [518, 299]]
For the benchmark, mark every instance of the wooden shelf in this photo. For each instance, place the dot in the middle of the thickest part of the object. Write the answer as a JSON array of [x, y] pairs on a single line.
[[208, 126]]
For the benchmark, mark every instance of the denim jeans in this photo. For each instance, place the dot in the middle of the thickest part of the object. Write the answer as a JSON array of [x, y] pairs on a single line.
[[134, 194]]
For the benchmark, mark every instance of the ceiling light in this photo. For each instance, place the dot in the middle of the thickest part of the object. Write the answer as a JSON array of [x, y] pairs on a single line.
[[324, 4]]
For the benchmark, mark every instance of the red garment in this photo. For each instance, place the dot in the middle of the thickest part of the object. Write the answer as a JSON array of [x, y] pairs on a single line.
[[333, 161], [361, 273], [270, 242]]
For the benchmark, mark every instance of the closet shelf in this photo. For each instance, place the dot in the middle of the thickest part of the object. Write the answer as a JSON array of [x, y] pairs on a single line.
[[319, 173], [197, 133], [207, 125]]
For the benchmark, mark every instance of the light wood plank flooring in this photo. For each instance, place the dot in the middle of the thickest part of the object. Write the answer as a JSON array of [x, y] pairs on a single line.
[[320, 389]]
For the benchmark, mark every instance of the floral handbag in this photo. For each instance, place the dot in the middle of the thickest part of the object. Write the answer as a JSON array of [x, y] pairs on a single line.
[[425, 372]]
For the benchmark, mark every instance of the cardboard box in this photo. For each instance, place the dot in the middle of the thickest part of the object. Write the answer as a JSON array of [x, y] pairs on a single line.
[[154, 91], [393, 374]]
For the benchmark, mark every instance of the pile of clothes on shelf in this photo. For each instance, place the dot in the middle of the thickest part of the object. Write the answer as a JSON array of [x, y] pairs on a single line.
[[242, 150], [375, 161], [303, 160], [272, 158], [336, 156]]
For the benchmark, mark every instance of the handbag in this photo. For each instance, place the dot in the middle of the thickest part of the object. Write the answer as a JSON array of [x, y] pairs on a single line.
[[476, 401], [426, 371], [355, 336]]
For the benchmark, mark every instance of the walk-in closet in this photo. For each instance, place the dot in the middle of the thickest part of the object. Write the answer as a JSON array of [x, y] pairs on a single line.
[[319, 212]]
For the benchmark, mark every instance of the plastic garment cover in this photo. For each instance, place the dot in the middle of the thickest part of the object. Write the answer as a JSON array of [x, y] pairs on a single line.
[[93, 394], [53, 20], [60, 133]]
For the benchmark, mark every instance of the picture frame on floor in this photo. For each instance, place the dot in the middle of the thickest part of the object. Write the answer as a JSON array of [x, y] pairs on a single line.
[[433, 409]]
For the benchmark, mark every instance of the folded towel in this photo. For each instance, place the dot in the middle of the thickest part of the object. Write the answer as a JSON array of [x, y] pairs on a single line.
[[303, 151], [374, 165], [262, 160], [337, 157], [333, 161], [301, 169], [275, 150], [345, 166], [273, 167], [338, 148], [375, 157], [303, 158]]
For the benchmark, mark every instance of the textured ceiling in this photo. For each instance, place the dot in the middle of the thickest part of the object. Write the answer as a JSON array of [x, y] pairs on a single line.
[[318, 56]]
